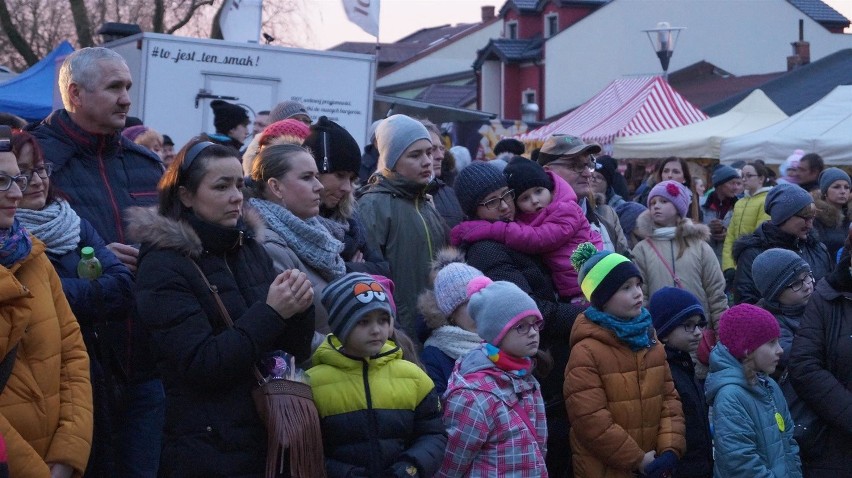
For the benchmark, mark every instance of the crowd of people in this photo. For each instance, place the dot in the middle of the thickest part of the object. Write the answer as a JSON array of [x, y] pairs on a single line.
[[527, 316]]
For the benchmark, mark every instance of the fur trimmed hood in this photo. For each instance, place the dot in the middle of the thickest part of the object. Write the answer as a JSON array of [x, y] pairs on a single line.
[[427, 304], [686, 229], [828, 214]]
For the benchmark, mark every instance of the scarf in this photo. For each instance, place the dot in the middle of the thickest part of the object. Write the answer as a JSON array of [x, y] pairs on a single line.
[[664, 233], [453, 341], [337, 229], [633, 332], [57, 225], [518, 366], [309, 239], [15, 244]]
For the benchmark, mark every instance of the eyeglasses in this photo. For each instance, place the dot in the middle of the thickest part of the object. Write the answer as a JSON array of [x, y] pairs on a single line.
[[493, 203], [806, 218], [576, 167], [797, 285], [43, 172], [524, 327], [690, 328], [749, 176], [6, 182]]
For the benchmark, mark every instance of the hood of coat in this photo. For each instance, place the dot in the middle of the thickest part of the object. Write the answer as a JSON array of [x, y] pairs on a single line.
[[687, 229], [725, 369], [474, 370], [828, 214], [330, 352]]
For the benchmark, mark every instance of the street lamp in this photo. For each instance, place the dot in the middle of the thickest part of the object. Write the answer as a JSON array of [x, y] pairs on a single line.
[[663, 39]]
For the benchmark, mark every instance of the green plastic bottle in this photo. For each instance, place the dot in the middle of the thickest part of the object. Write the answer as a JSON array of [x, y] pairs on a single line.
[[89, 266]]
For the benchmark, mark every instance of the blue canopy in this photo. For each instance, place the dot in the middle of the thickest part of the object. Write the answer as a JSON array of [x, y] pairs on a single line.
[[30, 94]]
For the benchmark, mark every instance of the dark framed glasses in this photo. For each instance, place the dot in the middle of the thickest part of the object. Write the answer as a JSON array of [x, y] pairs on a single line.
[[690, 328], [43, 172], [798, 284], [494, 203], [6, 182]]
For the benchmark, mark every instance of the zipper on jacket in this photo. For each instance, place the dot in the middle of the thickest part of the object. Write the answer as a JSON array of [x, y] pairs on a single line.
[[375, 450], [116, 211], [425, 227]]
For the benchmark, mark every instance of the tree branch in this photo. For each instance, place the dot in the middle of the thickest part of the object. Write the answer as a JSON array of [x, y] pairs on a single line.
[[15, 37], [186, 18]]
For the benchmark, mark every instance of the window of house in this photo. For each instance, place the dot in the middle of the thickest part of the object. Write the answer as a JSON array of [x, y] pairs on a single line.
[[512, 30], [551, 25], [529, 96]]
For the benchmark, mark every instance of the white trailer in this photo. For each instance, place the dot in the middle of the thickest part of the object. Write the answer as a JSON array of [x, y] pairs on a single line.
[[175, 79]]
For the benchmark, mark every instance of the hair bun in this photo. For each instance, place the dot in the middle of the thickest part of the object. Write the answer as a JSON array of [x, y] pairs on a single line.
[[582, 254], [477, 285]]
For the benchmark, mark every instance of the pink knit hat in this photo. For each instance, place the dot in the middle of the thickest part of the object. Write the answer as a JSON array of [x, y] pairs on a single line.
[[745, 327], [291, 130], [675, 192]]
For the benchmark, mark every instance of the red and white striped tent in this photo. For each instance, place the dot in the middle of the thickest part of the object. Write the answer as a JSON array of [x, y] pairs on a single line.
[[626, 107]]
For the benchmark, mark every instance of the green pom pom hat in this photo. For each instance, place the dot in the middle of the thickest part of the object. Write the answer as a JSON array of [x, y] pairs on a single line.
[[600, 274]]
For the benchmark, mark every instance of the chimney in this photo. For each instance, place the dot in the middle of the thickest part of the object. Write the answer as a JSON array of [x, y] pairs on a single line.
[[801, 50], [487, 12]]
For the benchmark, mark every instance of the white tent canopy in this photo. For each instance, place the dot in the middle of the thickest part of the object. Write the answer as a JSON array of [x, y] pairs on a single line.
[[702, 139], [824, 128]]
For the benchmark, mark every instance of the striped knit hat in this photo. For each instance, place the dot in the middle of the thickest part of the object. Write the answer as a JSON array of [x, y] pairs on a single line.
[[600, 274], [351, 297]]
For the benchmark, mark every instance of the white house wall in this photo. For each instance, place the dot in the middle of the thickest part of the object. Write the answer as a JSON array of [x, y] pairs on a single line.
[[743, 37], [456, 57]]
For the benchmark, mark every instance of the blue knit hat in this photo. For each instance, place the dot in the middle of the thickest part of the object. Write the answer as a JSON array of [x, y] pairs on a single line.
[[670, 307], [394, 135], [600, 274], [723, 174], [496, 306], [829, 176], [351, 297], [774, 269], [475, 182], [784, 201]]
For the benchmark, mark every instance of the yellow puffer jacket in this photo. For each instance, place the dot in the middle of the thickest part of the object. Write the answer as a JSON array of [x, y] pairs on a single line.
[[46, 406], [748, 214]]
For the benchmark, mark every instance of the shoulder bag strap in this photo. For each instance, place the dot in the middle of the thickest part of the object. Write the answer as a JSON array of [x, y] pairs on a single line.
[[675, 278], [6, 366], [224, 312]]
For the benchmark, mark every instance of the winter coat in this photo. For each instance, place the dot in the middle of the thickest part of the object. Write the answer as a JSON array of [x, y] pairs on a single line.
[[446, 202], [748, 214], [488, 436], [768, 236], [408, 231], [697, 461], [622, 404], [609, 219], [831, 224], [355, 241], [375, 412], [46, 405], [212, 427], [746, 435], [554, 232], [712, 209], [827, 392], [696, 269]]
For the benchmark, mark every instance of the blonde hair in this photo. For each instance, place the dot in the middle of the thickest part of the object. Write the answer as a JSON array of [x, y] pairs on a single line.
[[749, 369], [148, 138]]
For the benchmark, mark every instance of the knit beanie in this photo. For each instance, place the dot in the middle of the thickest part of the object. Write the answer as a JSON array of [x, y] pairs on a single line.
[[451, 285], [288, 109], [394, 135], [675, 192], [745, 327], [350, 297], [288, 131], [333, 147], [784, 201], [828, 176], [723, 174], [670, 307], [475, 182], [792, 161], [227, 116], [600, 274], [774, 269], [167, 140], [509, 145], [497, 306], [462, 156], [523, 174], [134, 132]]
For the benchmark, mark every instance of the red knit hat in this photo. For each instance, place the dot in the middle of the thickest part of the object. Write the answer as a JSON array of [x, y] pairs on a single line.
[[745, 327], [291, 130]]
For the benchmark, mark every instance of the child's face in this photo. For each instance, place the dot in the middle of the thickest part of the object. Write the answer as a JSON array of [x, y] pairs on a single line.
[[799, 291], [522, 339], [626, 303], [369, 334], [766, 356], [663, 212], [534, 199], [687, 335]]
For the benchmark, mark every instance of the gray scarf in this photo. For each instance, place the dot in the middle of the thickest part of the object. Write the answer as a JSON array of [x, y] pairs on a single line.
[[308, 238], [337, 229], [57, 225]]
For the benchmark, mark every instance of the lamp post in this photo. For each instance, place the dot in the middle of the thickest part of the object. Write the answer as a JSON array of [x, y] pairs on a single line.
[[663, 39]]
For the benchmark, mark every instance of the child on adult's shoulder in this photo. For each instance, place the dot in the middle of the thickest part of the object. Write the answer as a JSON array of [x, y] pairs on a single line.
[[494, 409], [753, 430], [445, 311], [679, 320], [380, 415], [550, 222], [624, 411], [785, 283]]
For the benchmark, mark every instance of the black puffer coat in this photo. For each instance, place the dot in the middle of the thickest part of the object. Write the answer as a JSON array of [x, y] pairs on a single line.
[[212, 428], [768, 236], [697, 462]]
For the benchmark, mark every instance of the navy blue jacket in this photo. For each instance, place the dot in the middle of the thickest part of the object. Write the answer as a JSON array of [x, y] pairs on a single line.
[[697, 462]]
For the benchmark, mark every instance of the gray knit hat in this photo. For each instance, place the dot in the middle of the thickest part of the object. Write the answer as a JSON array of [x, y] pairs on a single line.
[[475, 182], [451, 285], [496, 306], [394, 135], [774, 269], [349, 298], [288, 109], [784, 201], [723, 174], [830, 175]]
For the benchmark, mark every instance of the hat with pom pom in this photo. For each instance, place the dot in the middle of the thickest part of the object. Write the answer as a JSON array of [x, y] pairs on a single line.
[[673, 192], [497, 306], [600, 274], [451, 285]]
